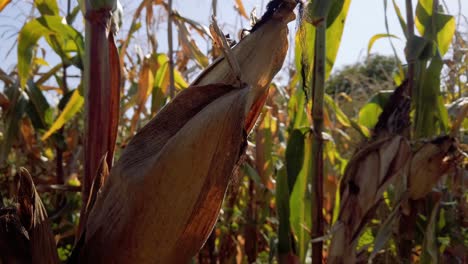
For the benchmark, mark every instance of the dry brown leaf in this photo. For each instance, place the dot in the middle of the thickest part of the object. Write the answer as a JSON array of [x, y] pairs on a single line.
[[429, 164], [145, 87], [241, 9], [366, 178], [372, 168], [33, 217], [28, 134]]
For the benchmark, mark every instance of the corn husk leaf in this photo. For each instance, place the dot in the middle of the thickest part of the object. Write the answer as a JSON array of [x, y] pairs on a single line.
[[372, 168], [163, 196], [33, 216], [430, 162]]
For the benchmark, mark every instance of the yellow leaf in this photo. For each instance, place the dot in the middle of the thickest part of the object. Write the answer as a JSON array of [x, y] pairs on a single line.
[[241, 9], [3, 4], [73, 106]]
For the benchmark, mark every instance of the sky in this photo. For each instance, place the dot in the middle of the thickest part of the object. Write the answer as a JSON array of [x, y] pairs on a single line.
[[365, 19]]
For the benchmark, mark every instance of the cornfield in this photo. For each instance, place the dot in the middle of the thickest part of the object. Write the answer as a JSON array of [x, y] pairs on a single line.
[[150, 137]]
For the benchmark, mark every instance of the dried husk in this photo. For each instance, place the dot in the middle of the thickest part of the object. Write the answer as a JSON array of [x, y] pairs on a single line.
[[260, 55], [430, 162], [25, 233], [367, 176], [372, 168], [163, 196]]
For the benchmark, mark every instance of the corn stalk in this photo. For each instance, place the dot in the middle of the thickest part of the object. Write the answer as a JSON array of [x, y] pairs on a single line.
[[318, 90], [102, 89]]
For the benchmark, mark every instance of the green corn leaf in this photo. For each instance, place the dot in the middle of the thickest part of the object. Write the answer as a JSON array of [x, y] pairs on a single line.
[[13, 115], [296, 110], [282, 203], [434, 25], [39, 104], [252, 173], [401, 20], [445, 31], [430, 250], [294, 156], [431, 117], [335, 26], [47, 7], [340, 115], [305, 37], [370, 112], [62, 38], [300, 204], [385, 232]]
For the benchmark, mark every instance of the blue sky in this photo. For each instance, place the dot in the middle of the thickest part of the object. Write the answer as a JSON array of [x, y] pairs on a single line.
[[365, 19]]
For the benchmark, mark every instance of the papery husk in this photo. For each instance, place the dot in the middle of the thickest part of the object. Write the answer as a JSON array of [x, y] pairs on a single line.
[[25, 233], [430, 162], [260, 54], [163, 196], [368, 175], [375, 165]]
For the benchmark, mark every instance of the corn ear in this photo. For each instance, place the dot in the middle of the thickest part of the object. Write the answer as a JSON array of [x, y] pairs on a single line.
[[260, 55], [163, 196]]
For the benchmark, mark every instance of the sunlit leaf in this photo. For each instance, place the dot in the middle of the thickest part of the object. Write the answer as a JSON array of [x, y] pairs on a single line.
[[73, 14], [377, 37], [335, 27], [50, 27], [340, 115], [3, 4], [296, 110], [241, 9], [40, 61], [264, 148], [370, 112], [435, 25], [162, 75], [400, 18], [73, 106], [145, 85], [47, 7], [305, 37]]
